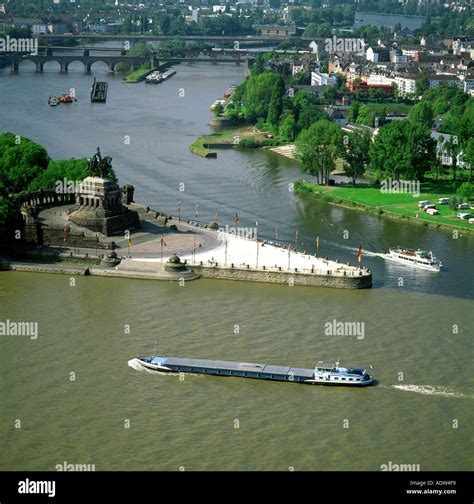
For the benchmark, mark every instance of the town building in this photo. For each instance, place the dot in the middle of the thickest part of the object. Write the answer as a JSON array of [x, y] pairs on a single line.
[[322, 79]]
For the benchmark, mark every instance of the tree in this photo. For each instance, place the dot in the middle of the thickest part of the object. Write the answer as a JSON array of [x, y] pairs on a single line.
[[422, 85], [218, 109], [421, 113], [454, 202], [258, 93], [318, 147], [402, 149], [466, 191], [330, 93], [453, 150], [58, 170], [287, 129], [354, 111], [305, 110], [356, 154], [259, 66], [21, 160], [275, 106], [469, 156], [395, 91]]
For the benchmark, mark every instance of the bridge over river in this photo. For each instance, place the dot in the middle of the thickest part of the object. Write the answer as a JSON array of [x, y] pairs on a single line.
[[14, 60]]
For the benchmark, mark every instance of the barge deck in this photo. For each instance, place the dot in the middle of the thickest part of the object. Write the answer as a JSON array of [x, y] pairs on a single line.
[[321, 374]]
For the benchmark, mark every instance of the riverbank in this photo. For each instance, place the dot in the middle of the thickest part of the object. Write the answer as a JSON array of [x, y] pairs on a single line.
[[402, 206], [141, 74], [206, 251], [243, 136], [343, 277]]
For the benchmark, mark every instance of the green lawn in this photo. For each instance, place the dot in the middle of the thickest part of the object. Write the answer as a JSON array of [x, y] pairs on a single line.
[[405, 204], [226, 136]]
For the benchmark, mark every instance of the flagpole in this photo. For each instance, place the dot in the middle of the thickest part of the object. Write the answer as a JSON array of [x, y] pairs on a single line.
[[288, 256], [197, 210], [161, 241], [194, 249], [179, 211], [256, 237], [226, 253], [317, 246]]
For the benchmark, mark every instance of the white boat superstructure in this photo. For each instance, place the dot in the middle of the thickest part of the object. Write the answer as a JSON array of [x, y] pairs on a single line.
[[419, 258], [327, 374]]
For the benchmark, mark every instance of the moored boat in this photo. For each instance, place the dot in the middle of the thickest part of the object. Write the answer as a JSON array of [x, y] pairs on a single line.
[[419, 258], [154, 78], [322, 374]]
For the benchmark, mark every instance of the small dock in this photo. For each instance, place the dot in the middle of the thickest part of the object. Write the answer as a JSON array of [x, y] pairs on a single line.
[[99, 91]]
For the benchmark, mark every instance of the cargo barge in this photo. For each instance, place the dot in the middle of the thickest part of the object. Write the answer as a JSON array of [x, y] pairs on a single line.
[[99, 91], [322, 374]]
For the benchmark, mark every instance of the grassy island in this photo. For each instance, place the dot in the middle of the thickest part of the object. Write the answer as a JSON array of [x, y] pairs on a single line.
[[138, 75], [243, 136]]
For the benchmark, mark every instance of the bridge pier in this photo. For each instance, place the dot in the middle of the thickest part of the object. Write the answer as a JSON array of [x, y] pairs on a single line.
[[111, 68], [87, 67], [14, 67], [39, 67], [64, 67], [86, 52]]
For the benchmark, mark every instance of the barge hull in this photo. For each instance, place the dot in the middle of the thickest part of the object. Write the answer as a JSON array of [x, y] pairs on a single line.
[[239, 369]]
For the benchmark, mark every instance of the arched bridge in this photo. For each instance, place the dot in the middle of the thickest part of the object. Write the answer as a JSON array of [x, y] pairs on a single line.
[[14, 60], [64, 61]]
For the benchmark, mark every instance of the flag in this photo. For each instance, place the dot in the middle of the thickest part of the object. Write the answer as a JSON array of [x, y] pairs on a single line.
[[276, 231], [237, 221], [197, 207], [317, 241], [296, 236], [359, 254], [179, 206], [129, 240], [162, 241]]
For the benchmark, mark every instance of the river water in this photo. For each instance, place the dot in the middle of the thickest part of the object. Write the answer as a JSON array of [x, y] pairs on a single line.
[[387, 20], [417, 326]]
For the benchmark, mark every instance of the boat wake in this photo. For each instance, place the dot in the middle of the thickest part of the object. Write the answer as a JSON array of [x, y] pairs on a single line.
[[367, 253], [433, 391], [135, 364]]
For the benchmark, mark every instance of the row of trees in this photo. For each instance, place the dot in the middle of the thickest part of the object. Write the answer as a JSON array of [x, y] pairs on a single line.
[[262, 98], [402, 150]]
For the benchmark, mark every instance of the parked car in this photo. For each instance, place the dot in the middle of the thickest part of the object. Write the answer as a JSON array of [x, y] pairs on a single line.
[[428, 207], [464, 215], [422, 203], [471, 220], [443, 201], [463, 206], [432, 211]]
